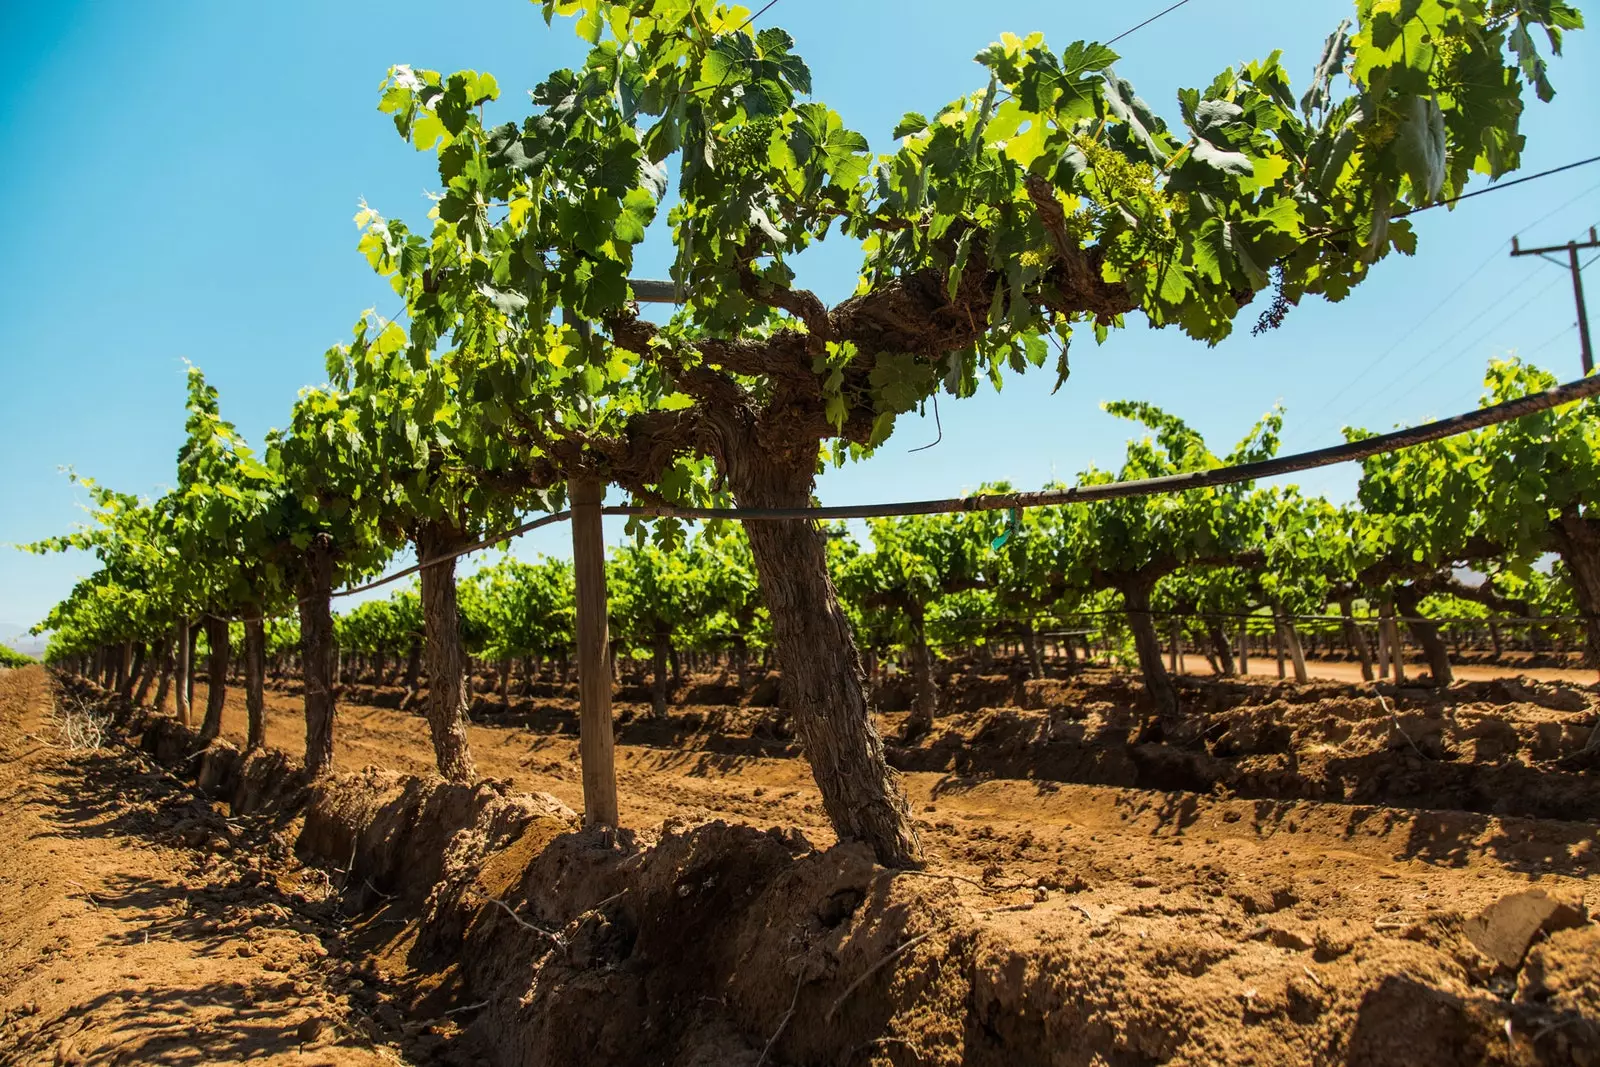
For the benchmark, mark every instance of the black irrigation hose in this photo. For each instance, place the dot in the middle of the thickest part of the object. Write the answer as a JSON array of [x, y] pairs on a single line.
[[1532, 404]]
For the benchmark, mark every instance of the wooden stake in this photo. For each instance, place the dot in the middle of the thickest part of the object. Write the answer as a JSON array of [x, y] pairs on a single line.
[[1244, 649], [595, 741]]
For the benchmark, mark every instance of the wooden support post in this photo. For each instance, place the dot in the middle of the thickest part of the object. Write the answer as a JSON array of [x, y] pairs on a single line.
[[1244, 648], [1277, 643], [595, 741], [1176, 629]]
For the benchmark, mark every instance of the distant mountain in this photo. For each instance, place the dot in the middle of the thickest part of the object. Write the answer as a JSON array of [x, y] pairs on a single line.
[[15, 635]]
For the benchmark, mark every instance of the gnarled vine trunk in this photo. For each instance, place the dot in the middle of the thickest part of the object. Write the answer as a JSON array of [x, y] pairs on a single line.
[[1354, 637], [318, 654], [1426, 633], [150, 664], [660, 652], [255, 669], [925, 697], [1220, 648], [1577, 541], [823, 686], [216, 677], [445, 659], [1032, 642], [1157, 682], [1291, 641], [163, 674]]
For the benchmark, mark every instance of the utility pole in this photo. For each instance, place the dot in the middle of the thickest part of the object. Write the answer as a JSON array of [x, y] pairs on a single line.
[[1571, 248]]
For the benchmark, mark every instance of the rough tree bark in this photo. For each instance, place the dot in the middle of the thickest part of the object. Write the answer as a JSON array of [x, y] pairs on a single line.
[[660, 652], [1157, 682], [1426, 633], [1354, 637], [1220, 647], [136, 660], [167, 669], [1297, 655], [150, 664], [446, 662], [255, 668], [925, 697], [318, 654], [1030, 641], [823, 684], [1577, 541], [190, 672], [216, 677]]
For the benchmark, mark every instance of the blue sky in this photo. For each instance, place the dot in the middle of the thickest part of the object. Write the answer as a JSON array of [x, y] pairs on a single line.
[[182, 178]]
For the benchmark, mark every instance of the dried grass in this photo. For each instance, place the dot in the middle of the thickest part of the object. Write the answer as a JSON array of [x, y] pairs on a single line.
[[80, 725]]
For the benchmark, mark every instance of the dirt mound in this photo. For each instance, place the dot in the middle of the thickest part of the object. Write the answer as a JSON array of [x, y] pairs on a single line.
[[1501, 747], [1105, 926]]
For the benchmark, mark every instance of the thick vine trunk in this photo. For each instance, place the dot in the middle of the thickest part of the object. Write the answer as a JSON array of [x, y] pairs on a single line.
[[1426, 633], [318, 654], [165, 683], [1495, 642], [123, 682], [1354, 637], [1221, 651], [1157, 682], [925, 698], [1297, 656], [149, 662], [216, 677], [183, 671], [1030, 640], [1577, 541], [255, 669], [188, 681], [446, 662], [660, 652], [135, 658], [823, 684]]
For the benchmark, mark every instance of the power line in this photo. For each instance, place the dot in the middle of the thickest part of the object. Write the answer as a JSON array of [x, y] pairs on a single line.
[[1553, 212], [1427, 360], [1362, 375], [1568, 328], [1497, 187], [1146, 22]]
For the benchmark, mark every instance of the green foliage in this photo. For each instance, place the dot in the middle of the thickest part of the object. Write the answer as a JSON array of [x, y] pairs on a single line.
[[10, 657]]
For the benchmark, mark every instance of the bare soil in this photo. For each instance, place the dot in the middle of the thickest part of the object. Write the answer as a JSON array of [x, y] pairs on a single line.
[[1294, 874]]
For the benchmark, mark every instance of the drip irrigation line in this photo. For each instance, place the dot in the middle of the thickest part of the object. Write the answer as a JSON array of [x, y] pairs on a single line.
[[1359, 620], [1395, 440], [504, 535]]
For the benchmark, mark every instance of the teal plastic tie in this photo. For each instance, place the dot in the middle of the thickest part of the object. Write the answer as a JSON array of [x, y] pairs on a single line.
[[1013, 524]]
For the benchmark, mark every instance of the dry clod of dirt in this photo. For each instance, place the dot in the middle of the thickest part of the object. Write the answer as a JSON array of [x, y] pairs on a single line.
[[1506, 929]]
